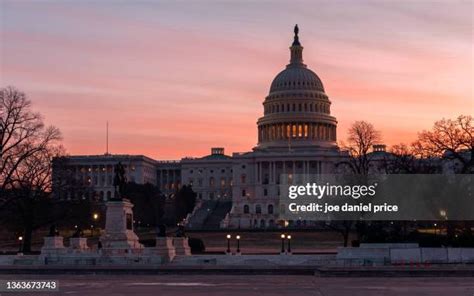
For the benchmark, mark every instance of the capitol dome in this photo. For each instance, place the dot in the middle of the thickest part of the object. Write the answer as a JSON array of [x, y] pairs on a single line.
[[297, 109], [296, 77]]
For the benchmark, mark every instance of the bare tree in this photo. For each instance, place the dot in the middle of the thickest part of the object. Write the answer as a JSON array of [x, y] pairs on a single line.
[[450, 139], [362, 136], [27, 149], [404, 159], [25, 142]]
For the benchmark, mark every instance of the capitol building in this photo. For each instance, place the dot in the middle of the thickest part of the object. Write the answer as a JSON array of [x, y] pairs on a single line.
[[296, 135]]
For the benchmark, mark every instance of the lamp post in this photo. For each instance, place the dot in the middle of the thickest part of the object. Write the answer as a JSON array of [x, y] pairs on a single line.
[[282, 243], [20, 240], [289, 243], [228, 243], [238, 243], [95, 217]]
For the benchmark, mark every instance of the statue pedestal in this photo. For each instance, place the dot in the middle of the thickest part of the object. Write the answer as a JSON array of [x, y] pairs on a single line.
[[181, 246], [119, 237], [164, 248], [53, 247], [53, 242], [78, 243]]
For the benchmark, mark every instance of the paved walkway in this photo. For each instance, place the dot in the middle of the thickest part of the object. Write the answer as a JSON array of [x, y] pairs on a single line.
[[250, 285]]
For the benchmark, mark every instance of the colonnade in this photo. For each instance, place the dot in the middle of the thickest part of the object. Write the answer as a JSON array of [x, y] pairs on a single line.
[[268, 172], [287, 131]]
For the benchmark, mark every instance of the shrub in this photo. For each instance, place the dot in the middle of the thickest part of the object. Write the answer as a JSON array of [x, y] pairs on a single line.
[[196, 245]]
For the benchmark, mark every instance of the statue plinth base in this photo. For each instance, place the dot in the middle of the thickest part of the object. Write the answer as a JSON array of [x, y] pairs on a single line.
[[181, 246], [78, 243], [53, 242], [119, 237], [164, 248], [53, 246]]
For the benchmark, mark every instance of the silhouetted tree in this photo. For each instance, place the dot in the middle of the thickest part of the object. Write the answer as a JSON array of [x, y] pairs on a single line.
[[404, 159], [361, 138], [27, 147], [451, 140], [184, 202], [148, 201]]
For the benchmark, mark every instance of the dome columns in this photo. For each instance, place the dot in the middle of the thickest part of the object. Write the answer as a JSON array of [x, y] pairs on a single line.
[[296, 131]]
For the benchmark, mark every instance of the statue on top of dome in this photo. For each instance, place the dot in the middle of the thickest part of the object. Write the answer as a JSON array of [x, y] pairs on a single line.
[[296, 41]]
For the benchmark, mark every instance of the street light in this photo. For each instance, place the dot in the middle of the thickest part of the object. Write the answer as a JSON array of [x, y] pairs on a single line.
[[282, 243], [289, 243], [238, 243], [20, 240], [228, 243], [95, 217]]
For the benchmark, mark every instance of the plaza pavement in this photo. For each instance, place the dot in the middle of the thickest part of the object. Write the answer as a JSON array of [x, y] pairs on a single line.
[[250, 285]]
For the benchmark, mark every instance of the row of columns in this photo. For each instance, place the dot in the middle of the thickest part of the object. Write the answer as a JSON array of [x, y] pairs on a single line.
[[168, 178], [287, 131], [271, 167]]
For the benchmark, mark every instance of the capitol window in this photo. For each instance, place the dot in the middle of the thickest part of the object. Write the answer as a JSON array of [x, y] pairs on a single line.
[[246, 209], [258, 209], [270, 209]]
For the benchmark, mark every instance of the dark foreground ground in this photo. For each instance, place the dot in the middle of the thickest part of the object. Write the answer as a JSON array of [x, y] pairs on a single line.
[[249, 285]]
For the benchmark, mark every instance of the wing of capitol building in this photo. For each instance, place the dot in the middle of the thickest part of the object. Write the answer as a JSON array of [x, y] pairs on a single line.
[[296, 135]]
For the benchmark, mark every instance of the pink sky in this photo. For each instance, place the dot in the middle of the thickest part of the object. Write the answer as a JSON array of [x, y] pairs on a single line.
[[176, 78]]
